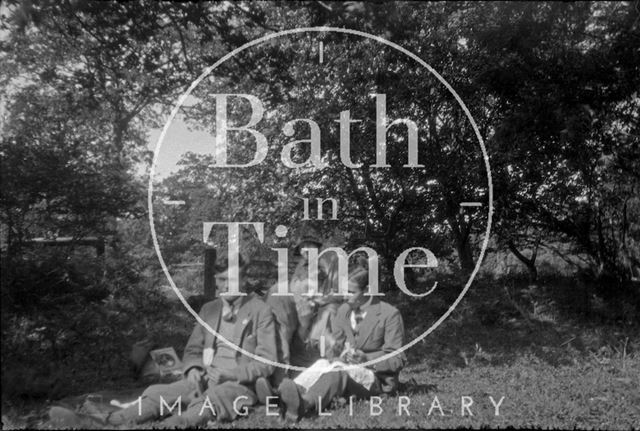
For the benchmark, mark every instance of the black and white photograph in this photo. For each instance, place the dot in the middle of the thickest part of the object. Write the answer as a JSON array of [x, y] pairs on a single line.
[[320, 214]]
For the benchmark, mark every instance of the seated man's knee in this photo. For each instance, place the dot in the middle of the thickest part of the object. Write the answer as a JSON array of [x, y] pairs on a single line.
[[154, 391], [339, 377]]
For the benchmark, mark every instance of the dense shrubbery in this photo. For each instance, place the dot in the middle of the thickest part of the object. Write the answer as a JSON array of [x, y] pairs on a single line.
[[66, 314]]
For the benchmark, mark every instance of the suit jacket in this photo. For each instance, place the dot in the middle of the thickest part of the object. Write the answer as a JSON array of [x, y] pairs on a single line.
[[380, 332], [254, 331], [286, 318]]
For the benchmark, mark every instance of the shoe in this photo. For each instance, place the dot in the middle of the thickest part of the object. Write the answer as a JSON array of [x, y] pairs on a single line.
[[92, 408], [264, 390], [66, 418], [294, 404]]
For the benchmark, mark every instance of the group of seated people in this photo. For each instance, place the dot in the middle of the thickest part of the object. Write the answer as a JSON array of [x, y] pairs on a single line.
[[297, 337]]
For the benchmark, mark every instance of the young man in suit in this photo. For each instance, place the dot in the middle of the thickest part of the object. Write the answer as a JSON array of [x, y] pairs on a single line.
[[372, 328], [218, 380]]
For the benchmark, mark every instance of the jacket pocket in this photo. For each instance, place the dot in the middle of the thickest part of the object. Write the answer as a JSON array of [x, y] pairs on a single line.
[[376, 340]]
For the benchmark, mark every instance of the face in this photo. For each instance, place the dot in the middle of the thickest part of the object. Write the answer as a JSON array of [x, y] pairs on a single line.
[[303, 253], [357, 297], [225, 279]]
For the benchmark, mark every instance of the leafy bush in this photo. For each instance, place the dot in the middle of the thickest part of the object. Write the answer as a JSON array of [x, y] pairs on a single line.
[[66, 313]]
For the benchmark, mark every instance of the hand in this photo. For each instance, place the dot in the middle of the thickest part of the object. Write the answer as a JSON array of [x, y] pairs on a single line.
[[194, 376], [333, 348], [217, 376], [304, 325], [355, 356], [329, 342]]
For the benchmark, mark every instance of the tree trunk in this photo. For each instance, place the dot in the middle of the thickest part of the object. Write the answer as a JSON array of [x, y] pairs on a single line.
[[530, 263], [209, 273], [465, 255]]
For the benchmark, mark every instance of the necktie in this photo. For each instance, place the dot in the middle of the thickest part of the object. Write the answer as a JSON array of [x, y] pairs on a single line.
[[358, 315], [228, 313]]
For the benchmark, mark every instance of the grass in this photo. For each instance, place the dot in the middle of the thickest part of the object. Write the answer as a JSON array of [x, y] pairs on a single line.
[[535, 395], [553, 368]]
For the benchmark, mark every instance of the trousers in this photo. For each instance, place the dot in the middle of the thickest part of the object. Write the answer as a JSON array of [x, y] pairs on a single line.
[[181, 407], [337, 384]]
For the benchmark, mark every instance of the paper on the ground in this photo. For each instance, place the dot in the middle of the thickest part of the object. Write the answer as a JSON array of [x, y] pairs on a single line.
[[311, 375]]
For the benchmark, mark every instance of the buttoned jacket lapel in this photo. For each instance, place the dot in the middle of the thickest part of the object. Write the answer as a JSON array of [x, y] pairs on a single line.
[[243, 319]]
